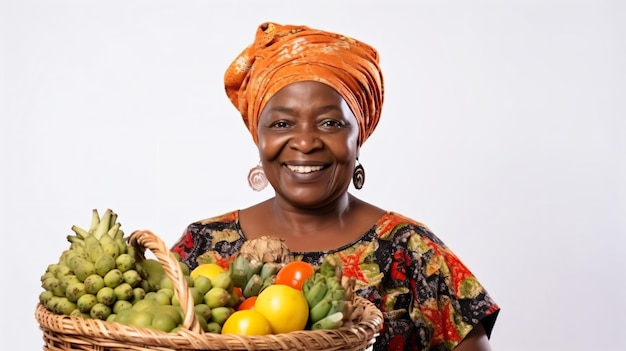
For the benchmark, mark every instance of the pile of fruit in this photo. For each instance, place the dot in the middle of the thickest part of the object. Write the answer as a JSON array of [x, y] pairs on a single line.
[[102, 276]]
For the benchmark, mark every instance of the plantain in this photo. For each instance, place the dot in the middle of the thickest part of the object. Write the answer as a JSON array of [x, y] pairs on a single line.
[[109, 246], [93, 283], [95, 220], [138, 294], [132, 277], [102, 276], [320, 310], [125, 262], [106, 296], [67, 280], [253, 286], [86, 302], [316, 292], [120, 305], [100, 311], [123, 292], [54, 285], [75, 290], [330, 295], [65, 306], [122, 246], [269, 269], [332, 321], [45, 296], [104, 264], [104, 225], [82, 268], [74, 284], [93, 248], [336, 306], [238, 271], [271, 280], [113, 278], [331, 267]]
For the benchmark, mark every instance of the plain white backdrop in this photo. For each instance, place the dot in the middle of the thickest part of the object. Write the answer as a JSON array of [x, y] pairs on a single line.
[[503, 130]]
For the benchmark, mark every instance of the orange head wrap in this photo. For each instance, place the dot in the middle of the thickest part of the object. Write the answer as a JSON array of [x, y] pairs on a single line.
[[285, 54]]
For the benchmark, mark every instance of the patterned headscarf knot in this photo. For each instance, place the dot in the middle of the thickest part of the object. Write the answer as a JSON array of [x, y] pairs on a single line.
[[285, 54]]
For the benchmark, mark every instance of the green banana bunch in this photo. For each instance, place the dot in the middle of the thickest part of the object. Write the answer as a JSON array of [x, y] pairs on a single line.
[[104, 236], [326, 296], [252, 276], [97, 269], [100, 276]]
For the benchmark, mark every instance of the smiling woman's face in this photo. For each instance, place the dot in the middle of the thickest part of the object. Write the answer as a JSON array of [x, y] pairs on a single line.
[[308, 144]]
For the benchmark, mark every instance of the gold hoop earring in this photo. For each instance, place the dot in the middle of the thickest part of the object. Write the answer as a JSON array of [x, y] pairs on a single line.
[[256, 178]]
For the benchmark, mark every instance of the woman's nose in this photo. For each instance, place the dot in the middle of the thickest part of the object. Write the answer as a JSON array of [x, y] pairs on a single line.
[[305, 140]]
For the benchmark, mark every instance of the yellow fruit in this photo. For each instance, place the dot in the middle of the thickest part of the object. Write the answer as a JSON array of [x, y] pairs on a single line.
[[209, 270], [246, 322], [284, 307]]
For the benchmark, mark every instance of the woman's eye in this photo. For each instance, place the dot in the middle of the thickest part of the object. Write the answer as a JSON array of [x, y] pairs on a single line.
[[332, 123], [280, 124]]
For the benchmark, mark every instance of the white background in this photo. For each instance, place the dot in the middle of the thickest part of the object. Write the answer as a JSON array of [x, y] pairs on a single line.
[[503, 130]]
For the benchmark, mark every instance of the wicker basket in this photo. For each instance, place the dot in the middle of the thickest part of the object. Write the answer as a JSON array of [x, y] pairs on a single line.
[[61, 333]]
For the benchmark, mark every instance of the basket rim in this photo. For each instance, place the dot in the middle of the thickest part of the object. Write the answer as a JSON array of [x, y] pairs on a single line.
[[361, 332]]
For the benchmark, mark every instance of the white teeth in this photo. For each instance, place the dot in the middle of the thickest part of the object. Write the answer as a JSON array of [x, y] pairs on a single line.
[[305, 169]]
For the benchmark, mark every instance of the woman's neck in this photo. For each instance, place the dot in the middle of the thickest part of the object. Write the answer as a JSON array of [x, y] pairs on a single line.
[[303, 221]]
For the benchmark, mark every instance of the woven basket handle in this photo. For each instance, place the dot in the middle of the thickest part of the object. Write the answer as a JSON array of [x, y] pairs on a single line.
[[145, 239]]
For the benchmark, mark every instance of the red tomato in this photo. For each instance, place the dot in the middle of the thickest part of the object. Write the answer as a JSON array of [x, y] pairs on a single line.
[[247, 304], [294, 274]]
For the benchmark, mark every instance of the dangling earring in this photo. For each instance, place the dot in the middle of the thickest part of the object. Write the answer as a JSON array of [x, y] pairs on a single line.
[[358, 178], [256, 178]]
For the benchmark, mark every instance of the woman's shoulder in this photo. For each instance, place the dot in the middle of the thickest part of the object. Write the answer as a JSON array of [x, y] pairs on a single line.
[[221, 227], [390, 222], [228, 217], [405, 231]]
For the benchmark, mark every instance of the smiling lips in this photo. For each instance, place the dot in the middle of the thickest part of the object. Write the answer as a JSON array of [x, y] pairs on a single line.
[[304, 169]]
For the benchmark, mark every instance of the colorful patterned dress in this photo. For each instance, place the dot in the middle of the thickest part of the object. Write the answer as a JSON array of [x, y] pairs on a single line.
[[429, 299]]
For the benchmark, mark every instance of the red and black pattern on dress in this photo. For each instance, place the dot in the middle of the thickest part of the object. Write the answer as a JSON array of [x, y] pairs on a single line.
[[429, 299]]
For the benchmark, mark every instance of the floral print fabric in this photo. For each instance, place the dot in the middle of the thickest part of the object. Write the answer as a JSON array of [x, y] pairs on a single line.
[[429, 299]]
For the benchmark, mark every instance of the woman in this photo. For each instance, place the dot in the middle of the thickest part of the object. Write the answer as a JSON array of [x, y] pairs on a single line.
[[310, 99]]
